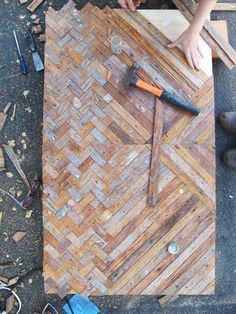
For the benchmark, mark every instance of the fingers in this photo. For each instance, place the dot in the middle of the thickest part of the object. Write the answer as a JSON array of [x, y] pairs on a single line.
[[189, 59], [122, 3], [130, 5], [200, 51], [195, 60]]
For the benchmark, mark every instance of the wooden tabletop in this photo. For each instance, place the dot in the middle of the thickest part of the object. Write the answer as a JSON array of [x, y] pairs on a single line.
[[100, 237]]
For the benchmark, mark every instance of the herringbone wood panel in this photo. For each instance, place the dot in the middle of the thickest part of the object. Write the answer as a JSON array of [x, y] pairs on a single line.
[[100, 237]]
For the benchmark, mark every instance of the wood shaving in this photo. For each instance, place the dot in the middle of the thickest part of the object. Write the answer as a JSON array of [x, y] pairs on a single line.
[[9, 174], [26, 93], [14, 113], [18, 193], [28, 214], [11, 143], [28, 109]]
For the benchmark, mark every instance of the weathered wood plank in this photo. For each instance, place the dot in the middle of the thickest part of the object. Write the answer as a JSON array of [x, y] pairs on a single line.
[[154, 170]]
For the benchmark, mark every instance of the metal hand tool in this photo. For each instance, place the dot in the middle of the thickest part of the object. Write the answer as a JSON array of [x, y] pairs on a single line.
[[131, 78], [38, 64], [21, 58]]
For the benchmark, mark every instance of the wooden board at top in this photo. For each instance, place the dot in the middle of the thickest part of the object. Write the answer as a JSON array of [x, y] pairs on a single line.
[[100, 237]]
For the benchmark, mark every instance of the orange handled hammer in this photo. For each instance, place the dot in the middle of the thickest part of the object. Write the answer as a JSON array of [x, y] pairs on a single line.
[[131, 78]]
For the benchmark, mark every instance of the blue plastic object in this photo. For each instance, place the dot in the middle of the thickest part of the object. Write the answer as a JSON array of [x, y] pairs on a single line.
[[81, 305]]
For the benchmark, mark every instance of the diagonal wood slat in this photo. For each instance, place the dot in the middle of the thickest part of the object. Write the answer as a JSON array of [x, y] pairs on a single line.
[[100, 237]]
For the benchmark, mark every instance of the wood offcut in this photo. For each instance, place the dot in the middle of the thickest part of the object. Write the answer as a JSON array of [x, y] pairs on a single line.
[[34, 5]]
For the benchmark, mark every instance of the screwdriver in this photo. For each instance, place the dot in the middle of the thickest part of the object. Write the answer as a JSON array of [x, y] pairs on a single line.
[[21, 58]]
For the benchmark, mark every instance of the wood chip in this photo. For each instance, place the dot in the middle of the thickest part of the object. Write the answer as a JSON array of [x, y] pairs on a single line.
[[36, 21], [28, 214], [23, 1], [19, 235], [13, 281], [11, 154], [10, 303], [33, 6], [42, 38], [37, 29], [0, 218]]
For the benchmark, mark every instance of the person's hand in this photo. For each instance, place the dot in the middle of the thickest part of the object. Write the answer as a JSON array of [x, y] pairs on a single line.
[[189, 41], [129, 4]]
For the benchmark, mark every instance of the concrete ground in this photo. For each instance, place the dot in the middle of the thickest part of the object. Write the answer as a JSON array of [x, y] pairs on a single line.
[[27, 254]]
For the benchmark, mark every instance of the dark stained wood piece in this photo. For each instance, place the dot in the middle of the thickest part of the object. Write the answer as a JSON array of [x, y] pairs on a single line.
[[156, 151]]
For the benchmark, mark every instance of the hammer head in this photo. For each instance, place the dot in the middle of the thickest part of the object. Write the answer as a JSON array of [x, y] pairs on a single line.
[[131, 77]]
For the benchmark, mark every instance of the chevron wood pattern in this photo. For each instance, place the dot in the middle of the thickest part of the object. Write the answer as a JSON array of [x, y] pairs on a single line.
[[100, 237]]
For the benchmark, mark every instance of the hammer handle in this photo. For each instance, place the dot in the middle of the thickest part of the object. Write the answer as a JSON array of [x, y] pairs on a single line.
[[173, 99], [180, 102], [149, 88]]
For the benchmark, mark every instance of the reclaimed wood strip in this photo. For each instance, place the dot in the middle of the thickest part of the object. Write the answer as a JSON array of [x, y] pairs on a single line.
[[154, 170]]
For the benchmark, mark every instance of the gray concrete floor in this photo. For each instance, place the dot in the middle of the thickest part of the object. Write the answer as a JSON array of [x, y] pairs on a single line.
[[27, 254]]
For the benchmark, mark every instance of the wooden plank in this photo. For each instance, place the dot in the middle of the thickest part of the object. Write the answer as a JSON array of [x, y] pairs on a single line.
[[156, 145], [225, 52], [34, 5], [225, 7]]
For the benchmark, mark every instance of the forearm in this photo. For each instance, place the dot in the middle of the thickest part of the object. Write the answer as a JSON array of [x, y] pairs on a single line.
[[204, 9]]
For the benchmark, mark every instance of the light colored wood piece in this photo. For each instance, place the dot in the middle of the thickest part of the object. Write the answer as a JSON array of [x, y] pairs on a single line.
[[225, 7], [2, 160], [34, 5], [23, 1], [172, 23]]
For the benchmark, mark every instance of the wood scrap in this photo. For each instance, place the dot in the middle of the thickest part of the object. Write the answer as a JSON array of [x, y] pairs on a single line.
[[37, 29], [157, 136], [167, 299], [3, 115], [23, 1], [2, 160], [224, 50], [0, 218], [37, 21], [11, 154], [19, 235], [3, 280], [8, 264], [225, 7], [10, 303], [12, 281], [33, 6], [42, 38]]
